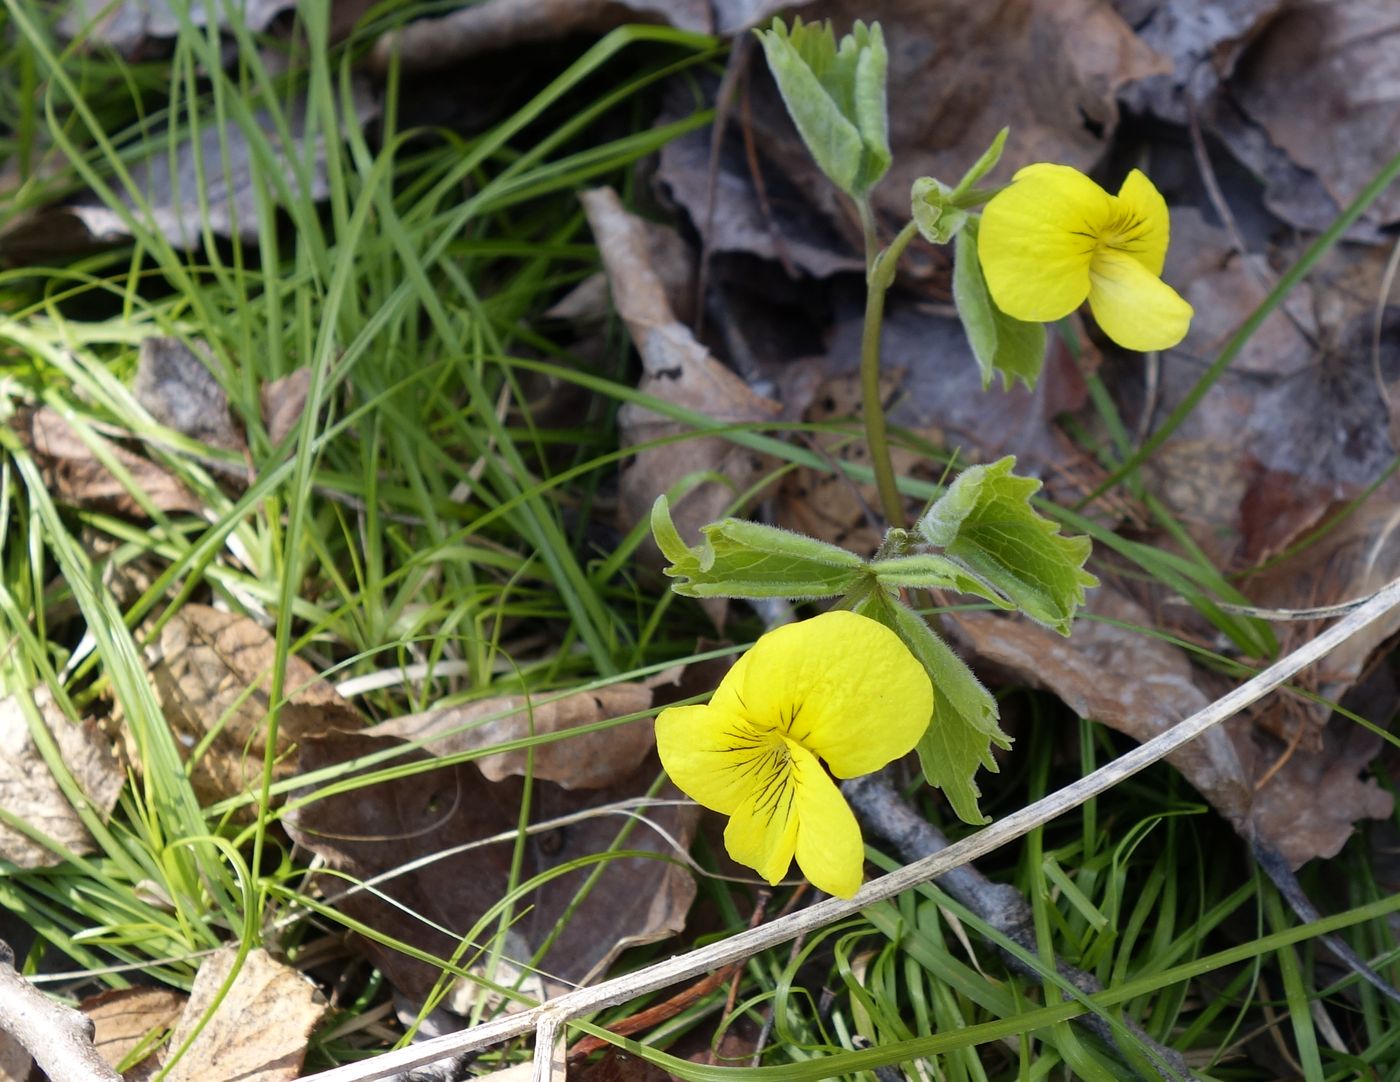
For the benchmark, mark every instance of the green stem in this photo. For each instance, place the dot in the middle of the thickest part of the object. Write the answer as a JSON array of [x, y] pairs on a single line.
[[878, 280]]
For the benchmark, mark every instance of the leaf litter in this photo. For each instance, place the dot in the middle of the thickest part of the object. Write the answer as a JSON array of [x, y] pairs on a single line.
[[1256, 466], [460, 819]]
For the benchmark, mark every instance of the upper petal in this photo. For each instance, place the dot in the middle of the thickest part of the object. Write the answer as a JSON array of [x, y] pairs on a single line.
[[1133, 306], [1036, 240], [829, 847], [713, 755], [1147, 227], [842, 685]]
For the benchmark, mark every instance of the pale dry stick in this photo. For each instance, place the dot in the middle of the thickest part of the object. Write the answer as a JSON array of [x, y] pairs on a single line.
[[748, 943], [58, 1037]]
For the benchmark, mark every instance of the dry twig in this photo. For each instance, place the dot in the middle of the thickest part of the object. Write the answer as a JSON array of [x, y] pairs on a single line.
[[58, 1037]]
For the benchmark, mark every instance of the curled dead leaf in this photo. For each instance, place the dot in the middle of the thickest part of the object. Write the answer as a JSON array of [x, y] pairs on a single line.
[[203, 665], [258, 1031], [679, 370], [587, 761], [75, 475], [125, 1019], [29, 790]]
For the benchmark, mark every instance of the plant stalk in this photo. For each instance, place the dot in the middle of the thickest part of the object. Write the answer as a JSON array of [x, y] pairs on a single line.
[[878, 279]]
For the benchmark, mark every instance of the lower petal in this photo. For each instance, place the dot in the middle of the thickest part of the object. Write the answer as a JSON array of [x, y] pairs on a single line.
[[1134, 307], [829, 847], [762, 832]]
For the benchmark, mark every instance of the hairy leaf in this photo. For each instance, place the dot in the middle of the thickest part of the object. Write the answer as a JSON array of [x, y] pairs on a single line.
[[1012, 347], [746, 559], [986, 523]]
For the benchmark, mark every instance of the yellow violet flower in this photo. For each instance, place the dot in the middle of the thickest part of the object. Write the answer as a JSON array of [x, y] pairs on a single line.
[[840, 689], [1053, 237]]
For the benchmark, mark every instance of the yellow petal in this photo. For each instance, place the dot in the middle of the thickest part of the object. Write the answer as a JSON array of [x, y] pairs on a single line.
[[1133, 306], [829, 847], [1147, 228], [711, 754], [842, 685], [762, 832], [797, 809], [1037, 238]]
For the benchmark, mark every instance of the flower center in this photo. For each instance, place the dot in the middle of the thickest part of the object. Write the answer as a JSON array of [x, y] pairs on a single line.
[[1124, 231]]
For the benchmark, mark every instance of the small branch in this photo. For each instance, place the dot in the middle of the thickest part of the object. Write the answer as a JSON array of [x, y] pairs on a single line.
[[58, 1037], [747, 944], [885, 813]]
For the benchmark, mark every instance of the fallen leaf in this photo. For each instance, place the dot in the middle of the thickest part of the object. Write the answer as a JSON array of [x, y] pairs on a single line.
[[590, 303], [1324, 82], [793, 232], [679, 370], [1289, 428], [209, 184], [1203, 39], [258, 1032], [29, 791], [128, 26], [375, 829], [588, 761], [125, 1019], [73, 473], [1142, 686], [203, 665], [428, 44], [175, 386], [283, 401]]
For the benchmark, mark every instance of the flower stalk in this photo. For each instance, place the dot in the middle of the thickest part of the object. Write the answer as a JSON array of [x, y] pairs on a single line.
[[879, 277]]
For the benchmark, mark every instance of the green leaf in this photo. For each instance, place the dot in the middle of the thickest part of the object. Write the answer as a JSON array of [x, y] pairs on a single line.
[[959, 739], [835, 96], [746, 559], [930, 202], [986, 523], [982, 166], [1000, 343], [931, 572]]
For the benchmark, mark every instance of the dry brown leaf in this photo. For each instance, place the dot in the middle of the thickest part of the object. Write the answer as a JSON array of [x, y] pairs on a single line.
[[258, 1033], [125, 1019], [1290, 427], [498, 24], [679, 370], [28, 790], [74, 475], [283, 401], [1141, 686], [176, 387], [1324, 83], [589, 761], [792, 231], [1203, 38], [375, 829], [203, 665]]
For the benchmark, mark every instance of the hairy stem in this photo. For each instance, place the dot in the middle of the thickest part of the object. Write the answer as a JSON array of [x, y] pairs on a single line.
[[878, 278]]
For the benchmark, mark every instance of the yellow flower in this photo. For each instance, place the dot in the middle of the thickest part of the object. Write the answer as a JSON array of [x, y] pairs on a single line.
[[1053, 237], [838, 688]]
